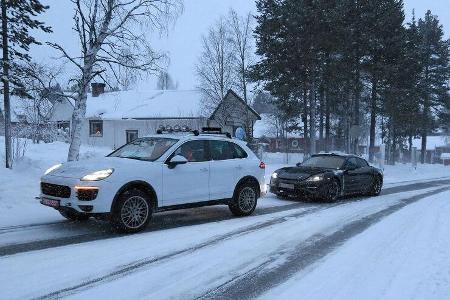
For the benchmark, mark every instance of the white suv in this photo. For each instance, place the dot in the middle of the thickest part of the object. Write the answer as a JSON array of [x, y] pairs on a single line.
[[157, 173]]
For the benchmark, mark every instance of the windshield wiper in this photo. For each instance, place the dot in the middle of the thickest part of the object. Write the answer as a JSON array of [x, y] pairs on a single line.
[[136, 158]]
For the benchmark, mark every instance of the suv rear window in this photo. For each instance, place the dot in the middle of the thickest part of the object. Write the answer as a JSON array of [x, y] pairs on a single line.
[[223, 150]]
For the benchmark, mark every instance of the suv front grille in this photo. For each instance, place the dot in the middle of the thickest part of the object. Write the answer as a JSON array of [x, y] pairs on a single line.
[[55, 190]]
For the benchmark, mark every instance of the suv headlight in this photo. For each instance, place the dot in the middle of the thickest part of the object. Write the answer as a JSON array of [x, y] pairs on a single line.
[[315, 178], [51, 169], [274, 175], [98, 175]]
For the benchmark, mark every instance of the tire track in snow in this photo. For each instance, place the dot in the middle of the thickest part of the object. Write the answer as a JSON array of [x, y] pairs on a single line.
[[136, 266], [262, 278]]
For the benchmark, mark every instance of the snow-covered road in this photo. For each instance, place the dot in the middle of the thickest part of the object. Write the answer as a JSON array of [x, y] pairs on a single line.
[[211, 255]]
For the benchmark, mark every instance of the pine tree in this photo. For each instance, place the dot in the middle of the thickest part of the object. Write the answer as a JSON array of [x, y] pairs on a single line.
[[18, 21], [433, 85]]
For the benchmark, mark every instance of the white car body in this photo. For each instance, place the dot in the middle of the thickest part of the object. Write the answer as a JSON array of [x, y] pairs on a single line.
[[209, 182]]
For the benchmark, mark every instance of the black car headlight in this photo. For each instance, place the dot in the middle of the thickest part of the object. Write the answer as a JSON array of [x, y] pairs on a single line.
[[316, 178]]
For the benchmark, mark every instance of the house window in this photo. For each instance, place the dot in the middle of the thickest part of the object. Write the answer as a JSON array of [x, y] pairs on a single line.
[[131, 135], [96, 128]]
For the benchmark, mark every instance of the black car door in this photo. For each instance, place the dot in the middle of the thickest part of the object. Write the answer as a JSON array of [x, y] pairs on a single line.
[[365, 174], [354, 176]]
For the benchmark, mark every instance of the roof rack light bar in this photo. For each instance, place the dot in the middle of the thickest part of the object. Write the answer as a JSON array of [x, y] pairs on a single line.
[[215, 130]]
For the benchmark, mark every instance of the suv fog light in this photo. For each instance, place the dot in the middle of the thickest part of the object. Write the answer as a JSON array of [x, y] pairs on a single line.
[[86, 193]]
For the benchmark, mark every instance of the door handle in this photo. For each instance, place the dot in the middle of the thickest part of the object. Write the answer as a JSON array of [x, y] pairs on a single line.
[[204, 169], [239, 167]]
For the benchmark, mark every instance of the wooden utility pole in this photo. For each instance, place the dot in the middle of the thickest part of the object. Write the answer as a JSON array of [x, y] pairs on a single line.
[[5, 79]]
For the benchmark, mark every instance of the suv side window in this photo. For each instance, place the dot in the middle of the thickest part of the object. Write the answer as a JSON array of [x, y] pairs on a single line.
[[193, 151], [220, 150], [237, 151]]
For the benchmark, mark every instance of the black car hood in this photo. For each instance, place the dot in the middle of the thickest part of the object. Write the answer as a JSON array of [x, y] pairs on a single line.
[[299, 173]]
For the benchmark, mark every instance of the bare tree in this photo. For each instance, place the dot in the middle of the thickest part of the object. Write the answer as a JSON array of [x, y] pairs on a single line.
[[241, 37], [215, 67], [112, 36], [40, 90], [165, 82]]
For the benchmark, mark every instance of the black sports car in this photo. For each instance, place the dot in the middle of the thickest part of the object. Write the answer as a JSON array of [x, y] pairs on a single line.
[[328, 177]]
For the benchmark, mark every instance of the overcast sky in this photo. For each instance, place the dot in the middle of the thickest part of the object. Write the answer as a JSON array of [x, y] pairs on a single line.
[[183, 44]]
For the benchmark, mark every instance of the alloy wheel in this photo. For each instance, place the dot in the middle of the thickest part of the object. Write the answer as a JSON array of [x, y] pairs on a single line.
[[247, 199], [333, 191], [134, 212]]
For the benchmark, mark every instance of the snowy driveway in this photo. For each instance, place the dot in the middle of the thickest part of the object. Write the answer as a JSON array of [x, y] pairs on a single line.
[[203, 253]]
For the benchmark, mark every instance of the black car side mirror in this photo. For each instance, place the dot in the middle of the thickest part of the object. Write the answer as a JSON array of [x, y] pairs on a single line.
[[299, 164]]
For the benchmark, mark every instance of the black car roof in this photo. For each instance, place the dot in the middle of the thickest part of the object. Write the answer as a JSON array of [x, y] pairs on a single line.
[[343, 155]]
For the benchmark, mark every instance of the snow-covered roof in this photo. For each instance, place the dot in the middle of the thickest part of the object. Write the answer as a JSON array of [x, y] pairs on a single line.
[[445, 156], [432, 142], [136, 104]]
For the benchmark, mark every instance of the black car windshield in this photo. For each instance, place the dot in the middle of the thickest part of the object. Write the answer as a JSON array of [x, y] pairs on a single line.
[[148, 149], [329, 162]]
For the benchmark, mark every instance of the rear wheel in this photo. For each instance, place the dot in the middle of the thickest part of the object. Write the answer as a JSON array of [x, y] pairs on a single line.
[[331, 191], [375, 188], [73, 215], [132, 211], [244, 199]]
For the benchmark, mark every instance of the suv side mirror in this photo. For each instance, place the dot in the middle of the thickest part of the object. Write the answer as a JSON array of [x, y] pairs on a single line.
[[298, 164], [177, 160]]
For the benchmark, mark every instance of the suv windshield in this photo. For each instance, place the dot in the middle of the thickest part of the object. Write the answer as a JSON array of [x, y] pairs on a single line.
[[329, 162], [148, 149]]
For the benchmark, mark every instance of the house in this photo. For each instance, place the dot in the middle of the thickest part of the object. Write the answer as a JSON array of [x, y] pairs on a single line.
[[118, 117]]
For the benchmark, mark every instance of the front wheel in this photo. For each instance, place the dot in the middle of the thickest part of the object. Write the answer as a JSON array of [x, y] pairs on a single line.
[[376, 186], [244, 200], [132, 211], [73, 215], [331, 191]]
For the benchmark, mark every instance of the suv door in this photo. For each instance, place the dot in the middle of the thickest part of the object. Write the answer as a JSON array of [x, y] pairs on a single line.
[[187, 183], [225, 169]]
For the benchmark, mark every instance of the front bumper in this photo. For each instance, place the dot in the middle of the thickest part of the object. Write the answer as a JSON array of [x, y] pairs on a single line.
[[299, 188], [100, 204]]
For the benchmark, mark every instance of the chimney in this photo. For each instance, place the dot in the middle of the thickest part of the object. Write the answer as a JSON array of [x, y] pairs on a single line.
[[97, 88]]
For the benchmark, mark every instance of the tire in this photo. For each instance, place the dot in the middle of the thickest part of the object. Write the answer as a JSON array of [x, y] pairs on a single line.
[[74, 216], [375, 188], [331, 191], [132, 211], [244, 200]]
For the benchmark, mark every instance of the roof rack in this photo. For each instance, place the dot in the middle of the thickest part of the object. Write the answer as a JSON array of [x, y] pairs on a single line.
[[215, 130], [175, 129]]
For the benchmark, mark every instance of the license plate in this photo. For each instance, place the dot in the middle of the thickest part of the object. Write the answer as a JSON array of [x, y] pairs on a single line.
[[286, 186], [50, 202]]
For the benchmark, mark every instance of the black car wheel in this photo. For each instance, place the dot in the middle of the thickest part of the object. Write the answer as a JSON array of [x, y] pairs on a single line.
[[376, 186], [332, 191], [244, 200], [132, 211], [73, 215]]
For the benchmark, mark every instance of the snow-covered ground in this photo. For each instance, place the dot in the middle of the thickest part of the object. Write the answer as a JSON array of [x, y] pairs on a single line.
[[405, 255], [409, 258]]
